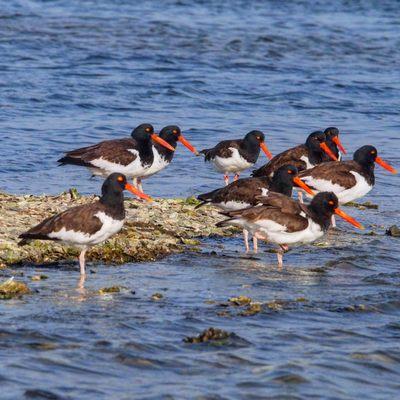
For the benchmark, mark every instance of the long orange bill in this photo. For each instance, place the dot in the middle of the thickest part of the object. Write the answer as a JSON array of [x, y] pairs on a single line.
[[301, 184], [385, 165], [188, 145], [264, 148], [328, 151], [338, 143], [347, 218], [137, 192], [157, 139]]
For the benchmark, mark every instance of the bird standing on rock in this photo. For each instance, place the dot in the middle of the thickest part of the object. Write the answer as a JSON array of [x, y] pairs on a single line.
[[283, 221], [89, 224], [131, 156], [234, 156]]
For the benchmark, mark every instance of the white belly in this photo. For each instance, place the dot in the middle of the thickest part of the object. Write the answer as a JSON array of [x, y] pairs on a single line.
[[307, 161], [235, 163], [110, 227], [132, 170], [232, 205], [360, 189], [159, 163]]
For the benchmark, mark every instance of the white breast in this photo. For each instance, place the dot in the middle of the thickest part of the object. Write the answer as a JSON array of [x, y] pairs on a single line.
[[133, 170], [233, 205], [159, 163], [235, 163], [307, 161], [110, 227]]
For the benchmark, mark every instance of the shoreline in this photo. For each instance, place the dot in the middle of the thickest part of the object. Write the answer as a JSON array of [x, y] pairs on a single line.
[[151, 230]]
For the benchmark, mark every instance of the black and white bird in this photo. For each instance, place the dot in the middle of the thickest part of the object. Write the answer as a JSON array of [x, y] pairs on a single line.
[[163, 156], [304, 156], [234, 156], [285, 221], [131, 156], [87, 225], [349, 180], [244, 193]]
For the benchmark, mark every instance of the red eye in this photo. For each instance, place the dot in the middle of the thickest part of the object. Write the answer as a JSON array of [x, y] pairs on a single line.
[[175, 132], [120, 179], [373, 152], [289, 171], [147, 129], [331, 202]]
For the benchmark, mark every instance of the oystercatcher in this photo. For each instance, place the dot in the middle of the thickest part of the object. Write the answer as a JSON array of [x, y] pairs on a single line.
[[302, 157], [285, 221], [349, 180], [244, 193], [162, 156], [234, 156], [131, 156], [334, 143], [89, 224]]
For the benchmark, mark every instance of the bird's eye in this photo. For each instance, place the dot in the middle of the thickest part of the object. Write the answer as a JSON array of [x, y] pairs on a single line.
[[373, 152], [331, 202], [289, 171], [175, 132], [258, 137], [147, 129], [120, 179]]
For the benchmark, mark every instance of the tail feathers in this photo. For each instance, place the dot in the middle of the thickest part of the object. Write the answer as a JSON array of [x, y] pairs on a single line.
[[73, 161], [28, 237], [226, 222], [257, 173], [207, 154], [205, 198], [201, 204]]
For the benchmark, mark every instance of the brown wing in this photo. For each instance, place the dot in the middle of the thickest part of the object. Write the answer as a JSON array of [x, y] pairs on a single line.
[[79, 219], [116, 151], [242, 190], [291, 156], [334, 172], [222, 149], [281, 202]]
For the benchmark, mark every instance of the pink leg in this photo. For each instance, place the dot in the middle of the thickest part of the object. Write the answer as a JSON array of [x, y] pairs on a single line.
[[82, 261], [255, 244], [236, 177], [139, 184], [226, 179], [300, 196], [279, 254], [333, 221]]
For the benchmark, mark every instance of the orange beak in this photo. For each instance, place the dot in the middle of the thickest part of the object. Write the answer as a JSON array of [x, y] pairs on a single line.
[[347, 218], [328, 151], [301, 184], [188, 145], [264, 148], [385, 165], [157, 139], [338, 143], [137, 192]]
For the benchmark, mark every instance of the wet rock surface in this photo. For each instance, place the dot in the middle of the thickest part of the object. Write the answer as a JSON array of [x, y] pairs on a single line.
[[151, 231]]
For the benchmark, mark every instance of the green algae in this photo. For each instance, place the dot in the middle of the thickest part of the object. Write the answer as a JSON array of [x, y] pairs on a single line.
[[11, 289]]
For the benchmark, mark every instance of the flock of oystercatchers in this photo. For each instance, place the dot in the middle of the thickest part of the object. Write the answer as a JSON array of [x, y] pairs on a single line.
[[261, 205]]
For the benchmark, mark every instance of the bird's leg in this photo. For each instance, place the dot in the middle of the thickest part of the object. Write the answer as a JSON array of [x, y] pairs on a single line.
[[226, 179], [139, 184], [279, 254], [300, 196], [135, 182], [333, 221], [255, 244], [236, 177], [82, 261], [246, 240]]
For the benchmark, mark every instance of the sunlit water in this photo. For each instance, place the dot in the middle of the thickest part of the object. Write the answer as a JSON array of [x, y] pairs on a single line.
[[73, 73]]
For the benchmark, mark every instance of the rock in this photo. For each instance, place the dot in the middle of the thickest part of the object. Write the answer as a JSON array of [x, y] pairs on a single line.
[[13, 289], [240, 301], [210, 334], [394, 231], [111, 289], [39, 277], [252, 309], [157, 296], [362, 206]]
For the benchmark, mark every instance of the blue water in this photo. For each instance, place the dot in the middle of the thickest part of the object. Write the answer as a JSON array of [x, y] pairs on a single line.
[[75, 72]]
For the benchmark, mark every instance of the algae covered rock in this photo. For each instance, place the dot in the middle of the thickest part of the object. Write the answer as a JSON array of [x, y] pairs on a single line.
[[11, 289], [210, 334], [394, 231]]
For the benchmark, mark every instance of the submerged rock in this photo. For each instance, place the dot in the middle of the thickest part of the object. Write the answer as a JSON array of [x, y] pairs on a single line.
[[13, 289], [157, 296], [394, 231], [111, 289], [208, 335], [362, 206]]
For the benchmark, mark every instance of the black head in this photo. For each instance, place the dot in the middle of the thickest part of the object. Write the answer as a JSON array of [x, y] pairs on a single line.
[[314, 141], [143, 131], [324, 205], [114, 184], [171, 134], [255, 137], [331, 132], [365, 155], [282, 181]]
